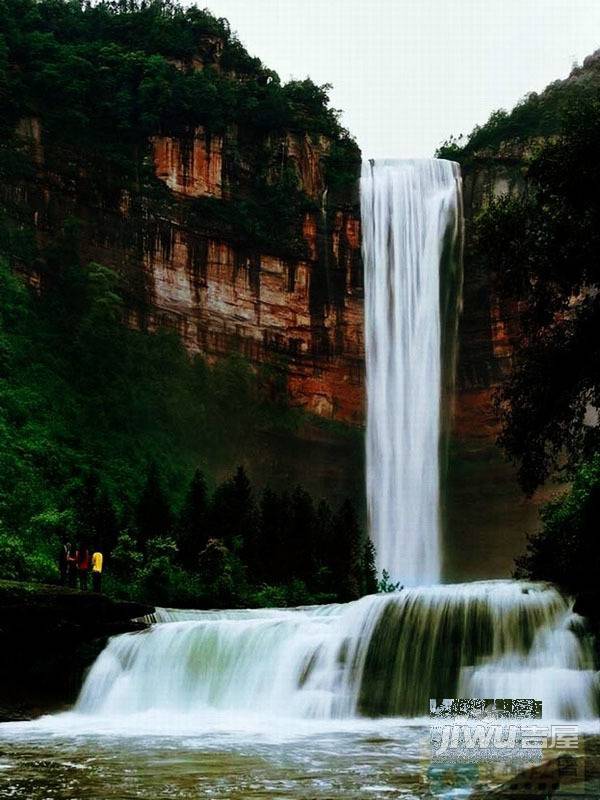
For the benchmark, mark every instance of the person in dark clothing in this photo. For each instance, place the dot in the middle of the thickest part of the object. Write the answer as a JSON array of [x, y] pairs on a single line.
[[71, 568], [63, 562], [82, 559]]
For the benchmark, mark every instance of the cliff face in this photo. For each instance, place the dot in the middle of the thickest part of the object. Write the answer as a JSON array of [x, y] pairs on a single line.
[[227, 203], [488, 515], [494, 161], [302, 315], [148, 140], [490, 324], [210, 251], [190, 166]]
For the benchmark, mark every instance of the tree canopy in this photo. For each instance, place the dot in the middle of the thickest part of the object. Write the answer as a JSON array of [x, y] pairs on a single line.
[[104, 79]]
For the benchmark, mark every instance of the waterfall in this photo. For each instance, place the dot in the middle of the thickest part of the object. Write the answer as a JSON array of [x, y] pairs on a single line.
[[381, 655], [411, 213]]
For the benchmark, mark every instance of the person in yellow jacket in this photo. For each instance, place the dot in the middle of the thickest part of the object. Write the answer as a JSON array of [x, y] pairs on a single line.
[[97, 559]]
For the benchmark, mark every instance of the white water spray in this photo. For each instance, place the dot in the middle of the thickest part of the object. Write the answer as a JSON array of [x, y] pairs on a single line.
[[382, 655], [409, 209]]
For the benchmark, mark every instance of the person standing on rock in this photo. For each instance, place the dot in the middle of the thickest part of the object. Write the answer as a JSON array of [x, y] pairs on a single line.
[[97, 559], [82, 559], [71, 567], [64, 563]]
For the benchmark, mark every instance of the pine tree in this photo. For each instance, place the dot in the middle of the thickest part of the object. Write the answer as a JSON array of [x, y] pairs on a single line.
[[192, 528], [348, 553], [324, 547], [106, 523], [233, 515], [302, 534], [97, 521], [153, 513], [369, 570], [215, 568], [85, 504], [273, 563]]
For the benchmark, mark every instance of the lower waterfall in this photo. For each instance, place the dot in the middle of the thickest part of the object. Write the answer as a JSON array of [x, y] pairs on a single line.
[[382, 655]]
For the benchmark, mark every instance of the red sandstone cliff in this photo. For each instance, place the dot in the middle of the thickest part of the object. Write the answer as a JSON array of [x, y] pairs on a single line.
[[303, 315]]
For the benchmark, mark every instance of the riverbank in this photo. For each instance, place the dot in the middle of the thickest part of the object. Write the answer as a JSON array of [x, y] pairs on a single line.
[[49, 636]]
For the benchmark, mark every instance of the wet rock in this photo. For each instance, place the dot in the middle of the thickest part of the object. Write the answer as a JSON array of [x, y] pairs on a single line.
[[49, 636]]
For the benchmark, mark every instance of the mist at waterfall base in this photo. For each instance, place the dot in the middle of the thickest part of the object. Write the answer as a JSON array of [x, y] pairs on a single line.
[[331, 701]]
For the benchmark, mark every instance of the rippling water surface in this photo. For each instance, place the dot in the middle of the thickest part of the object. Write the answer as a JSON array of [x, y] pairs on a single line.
[[61, 758]]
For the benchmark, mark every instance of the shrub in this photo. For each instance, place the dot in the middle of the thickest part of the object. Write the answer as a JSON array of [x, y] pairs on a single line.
[[19, 562]]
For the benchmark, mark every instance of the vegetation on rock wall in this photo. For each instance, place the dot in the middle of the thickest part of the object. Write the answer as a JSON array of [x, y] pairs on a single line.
[[542, 246], [102, 427], [566, 551]]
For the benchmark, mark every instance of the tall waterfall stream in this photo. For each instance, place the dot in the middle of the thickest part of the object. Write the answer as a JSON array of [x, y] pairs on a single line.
[[411, 214]]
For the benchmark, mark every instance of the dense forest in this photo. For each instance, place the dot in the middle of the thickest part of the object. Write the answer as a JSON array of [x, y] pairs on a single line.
[[542, 245], [108, 434]]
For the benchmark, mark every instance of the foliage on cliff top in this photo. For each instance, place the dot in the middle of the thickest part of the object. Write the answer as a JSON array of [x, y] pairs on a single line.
[[108, 70], [536, 116], [104, 79]]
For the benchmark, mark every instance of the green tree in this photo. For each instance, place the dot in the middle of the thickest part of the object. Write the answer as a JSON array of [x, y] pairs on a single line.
[[273, 563], [566, 550], [192, 534], [386, 585], [125, 559], [325, 545], [159, 580], [545, 249], [368, 569], [153, 513], [233, 516], [217, 571], [95, 517], [106, 523], [347, 568], [300, 538]]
